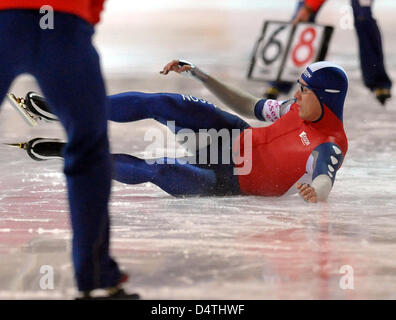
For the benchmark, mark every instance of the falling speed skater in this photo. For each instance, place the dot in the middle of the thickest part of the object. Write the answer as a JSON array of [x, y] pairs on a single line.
[[299, 152]]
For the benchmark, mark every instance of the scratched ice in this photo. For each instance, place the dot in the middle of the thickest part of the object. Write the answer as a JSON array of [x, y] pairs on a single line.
[[210, 248]]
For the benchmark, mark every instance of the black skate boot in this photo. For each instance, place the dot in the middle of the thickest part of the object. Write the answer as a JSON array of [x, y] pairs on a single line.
[[40, 149], [382, 94], [114, 293], [32, 108]]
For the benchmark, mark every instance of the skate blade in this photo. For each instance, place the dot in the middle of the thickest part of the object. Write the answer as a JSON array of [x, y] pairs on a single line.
[[25, 115], [21, 145]]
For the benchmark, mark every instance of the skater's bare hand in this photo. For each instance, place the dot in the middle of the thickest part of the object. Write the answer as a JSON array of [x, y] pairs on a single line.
[[307, 192], [174, 66], [303, 15]]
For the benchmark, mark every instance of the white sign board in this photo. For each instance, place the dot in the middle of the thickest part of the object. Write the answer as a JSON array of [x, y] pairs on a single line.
[[283, 50]]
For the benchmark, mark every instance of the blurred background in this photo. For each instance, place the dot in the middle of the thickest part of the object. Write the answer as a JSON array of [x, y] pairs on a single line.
[[217, 34]]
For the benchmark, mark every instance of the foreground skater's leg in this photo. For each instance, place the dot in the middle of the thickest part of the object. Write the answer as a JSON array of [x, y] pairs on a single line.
[[87, 157]]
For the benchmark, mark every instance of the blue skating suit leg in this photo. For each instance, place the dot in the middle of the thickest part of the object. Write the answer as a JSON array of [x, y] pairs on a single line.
[[66, 66], [187, 113], [370, 47]]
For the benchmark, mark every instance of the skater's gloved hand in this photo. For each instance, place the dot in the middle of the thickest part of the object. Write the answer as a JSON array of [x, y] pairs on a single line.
[[307, 192], [303, 15], [177, 66], [180, 66]]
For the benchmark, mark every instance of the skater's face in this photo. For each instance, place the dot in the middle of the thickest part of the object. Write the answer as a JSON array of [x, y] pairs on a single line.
[[309, 105]]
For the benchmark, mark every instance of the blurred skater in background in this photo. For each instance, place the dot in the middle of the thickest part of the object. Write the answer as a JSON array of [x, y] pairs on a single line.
[[375, 77]]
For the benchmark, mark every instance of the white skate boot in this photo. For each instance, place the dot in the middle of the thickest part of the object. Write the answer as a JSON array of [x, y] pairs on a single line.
[[32, 108]]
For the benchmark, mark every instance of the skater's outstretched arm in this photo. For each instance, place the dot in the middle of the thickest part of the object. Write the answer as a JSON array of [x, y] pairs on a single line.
[[239, 101]]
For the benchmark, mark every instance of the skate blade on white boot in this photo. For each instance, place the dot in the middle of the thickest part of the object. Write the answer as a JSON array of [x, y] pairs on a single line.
[[21, 108]]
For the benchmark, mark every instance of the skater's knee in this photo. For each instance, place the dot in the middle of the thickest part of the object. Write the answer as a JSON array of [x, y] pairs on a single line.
[[168, 99]]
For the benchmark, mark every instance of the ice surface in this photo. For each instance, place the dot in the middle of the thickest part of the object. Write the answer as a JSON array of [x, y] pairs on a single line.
[[204, 248]]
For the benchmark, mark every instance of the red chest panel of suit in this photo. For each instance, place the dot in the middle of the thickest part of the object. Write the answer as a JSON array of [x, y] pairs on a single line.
[[279, 152]]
